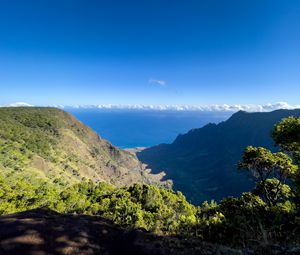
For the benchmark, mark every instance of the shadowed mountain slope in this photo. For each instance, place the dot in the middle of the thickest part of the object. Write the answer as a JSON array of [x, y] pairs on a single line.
[[203, 162]]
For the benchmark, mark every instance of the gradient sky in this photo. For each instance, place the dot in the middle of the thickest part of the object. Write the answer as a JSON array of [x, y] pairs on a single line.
[[149, 51]]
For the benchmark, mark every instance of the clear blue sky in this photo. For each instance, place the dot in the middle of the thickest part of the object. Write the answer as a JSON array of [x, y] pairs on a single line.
[[108, 51]]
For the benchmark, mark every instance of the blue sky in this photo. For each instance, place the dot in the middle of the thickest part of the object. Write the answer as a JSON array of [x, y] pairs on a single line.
[[149, 52]]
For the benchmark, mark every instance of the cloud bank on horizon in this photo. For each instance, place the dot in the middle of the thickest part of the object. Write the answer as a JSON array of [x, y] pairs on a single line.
[[18, 104], [203, 108]]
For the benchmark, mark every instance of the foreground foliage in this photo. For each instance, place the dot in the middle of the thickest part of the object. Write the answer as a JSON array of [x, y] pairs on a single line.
[[142, 206]]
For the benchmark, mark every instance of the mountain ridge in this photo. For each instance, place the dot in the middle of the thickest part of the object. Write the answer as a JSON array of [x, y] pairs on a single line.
[[53, 144], [203, 162]]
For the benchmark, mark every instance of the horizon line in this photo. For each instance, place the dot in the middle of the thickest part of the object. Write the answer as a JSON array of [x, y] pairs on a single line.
[[176, 107]]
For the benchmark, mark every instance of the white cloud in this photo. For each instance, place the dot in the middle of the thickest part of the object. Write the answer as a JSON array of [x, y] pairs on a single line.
[[157, 82], [18, 104], [203, 108]]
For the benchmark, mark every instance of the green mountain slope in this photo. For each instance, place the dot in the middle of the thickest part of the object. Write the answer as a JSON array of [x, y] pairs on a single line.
[[203, 162], [51, 144], [149, 219]]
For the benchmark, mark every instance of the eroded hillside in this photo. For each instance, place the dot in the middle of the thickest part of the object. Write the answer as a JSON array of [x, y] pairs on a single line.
[[52, 144]]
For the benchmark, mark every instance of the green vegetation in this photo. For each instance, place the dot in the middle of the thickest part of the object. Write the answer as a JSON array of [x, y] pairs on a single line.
[[270, 214], [143, 206], [54, 146], [271, 171]]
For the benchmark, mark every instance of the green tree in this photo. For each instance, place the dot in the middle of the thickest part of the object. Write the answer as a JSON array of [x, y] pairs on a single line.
[[286, 134], [270, 170]]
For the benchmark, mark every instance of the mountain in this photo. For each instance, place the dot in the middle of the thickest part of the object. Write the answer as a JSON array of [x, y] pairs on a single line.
[[53, 145], [203, 162]]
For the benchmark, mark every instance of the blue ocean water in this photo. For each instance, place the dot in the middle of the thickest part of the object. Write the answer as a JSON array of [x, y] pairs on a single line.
[[132, 128]]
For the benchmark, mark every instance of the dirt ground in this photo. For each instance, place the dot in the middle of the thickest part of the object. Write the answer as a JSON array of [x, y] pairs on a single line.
[[44, 232]]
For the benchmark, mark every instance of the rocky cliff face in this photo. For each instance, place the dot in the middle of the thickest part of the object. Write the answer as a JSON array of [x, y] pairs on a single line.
[[52, 144]]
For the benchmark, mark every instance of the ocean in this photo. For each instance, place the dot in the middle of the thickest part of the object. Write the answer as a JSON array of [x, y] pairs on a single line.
[[133, 128]]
